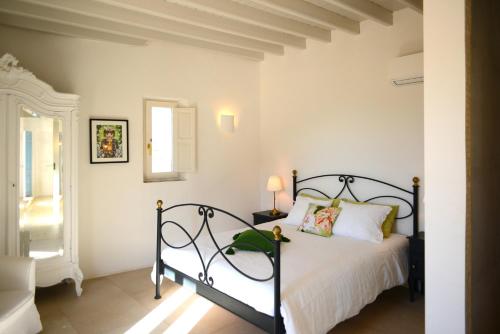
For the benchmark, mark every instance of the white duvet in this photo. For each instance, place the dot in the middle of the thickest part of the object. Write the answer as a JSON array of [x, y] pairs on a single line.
[[323, 280]]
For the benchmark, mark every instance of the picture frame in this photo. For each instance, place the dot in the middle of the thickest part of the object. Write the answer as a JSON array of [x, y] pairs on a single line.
[[108, 141]]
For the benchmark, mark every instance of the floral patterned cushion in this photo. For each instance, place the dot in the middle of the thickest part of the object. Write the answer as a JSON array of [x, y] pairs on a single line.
[[319, 220]]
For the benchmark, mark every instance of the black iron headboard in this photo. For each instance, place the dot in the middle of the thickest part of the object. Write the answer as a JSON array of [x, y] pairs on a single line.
[[347, 179]]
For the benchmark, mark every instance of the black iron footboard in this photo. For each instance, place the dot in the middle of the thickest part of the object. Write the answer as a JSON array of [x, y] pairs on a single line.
[[204, 284]]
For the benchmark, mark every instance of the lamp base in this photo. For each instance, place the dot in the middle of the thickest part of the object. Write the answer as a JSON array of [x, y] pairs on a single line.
[[275, 212]]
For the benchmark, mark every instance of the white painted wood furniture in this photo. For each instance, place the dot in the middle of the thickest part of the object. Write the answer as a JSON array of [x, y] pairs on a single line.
[[18, 313], [20, 90]]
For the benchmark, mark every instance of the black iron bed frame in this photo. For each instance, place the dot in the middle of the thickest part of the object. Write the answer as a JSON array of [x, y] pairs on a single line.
[[204, 284]]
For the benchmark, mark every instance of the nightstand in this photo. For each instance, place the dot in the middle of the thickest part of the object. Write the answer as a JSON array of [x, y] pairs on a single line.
[[416, 276], [265, 216]]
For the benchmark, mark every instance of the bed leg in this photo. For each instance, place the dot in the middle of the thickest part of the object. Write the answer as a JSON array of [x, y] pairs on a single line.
[[277, 280], [294, 177], [159, 263], [416, 185]]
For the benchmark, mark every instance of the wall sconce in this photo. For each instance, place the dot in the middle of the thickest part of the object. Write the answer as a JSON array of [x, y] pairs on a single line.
[[227, 123]]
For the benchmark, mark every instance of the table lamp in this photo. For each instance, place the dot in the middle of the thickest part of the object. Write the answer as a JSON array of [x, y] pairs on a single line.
[[274, 185]]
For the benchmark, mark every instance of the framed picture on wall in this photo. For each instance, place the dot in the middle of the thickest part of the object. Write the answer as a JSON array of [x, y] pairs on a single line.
[[108, 141]]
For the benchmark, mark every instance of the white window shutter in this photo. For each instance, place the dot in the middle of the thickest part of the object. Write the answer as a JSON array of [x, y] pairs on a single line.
[[184, 139]]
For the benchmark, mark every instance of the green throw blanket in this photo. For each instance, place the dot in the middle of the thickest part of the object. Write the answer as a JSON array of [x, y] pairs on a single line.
[[251, 240]]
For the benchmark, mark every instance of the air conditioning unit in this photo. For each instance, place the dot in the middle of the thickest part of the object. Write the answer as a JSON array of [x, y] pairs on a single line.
[[407, 70]]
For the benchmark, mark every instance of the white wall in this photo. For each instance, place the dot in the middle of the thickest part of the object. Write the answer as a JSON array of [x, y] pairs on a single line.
[[117, 210], [444, 31], [331, 108]]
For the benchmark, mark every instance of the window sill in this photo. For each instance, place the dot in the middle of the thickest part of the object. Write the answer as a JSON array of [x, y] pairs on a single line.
[[166, 179]]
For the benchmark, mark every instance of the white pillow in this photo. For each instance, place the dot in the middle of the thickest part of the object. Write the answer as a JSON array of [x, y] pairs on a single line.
[[299, 209], [363, 222]]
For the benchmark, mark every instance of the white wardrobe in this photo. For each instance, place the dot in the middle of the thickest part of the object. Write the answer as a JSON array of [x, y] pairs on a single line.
[[38, 174]]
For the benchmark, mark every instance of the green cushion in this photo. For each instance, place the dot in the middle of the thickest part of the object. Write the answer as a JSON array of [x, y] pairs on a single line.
[[251, 240], [389, 220], [335, 203]]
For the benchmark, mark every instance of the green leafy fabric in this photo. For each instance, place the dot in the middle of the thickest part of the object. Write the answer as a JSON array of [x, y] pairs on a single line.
[[251, 240]]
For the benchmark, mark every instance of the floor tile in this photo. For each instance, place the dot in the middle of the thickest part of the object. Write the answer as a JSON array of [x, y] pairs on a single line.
[[57, 324], [114, 304]]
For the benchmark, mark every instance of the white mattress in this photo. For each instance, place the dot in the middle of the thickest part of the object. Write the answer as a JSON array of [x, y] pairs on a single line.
[[323, 280]]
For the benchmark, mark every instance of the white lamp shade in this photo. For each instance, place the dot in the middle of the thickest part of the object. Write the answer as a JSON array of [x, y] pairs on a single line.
[[227, 123], [274, 183]]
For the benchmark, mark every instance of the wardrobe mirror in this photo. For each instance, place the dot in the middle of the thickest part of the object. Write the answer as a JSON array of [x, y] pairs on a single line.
[[41, 198]]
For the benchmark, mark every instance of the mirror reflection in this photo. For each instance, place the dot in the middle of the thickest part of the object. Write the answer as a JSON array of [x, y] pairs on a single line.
[[40, 191]]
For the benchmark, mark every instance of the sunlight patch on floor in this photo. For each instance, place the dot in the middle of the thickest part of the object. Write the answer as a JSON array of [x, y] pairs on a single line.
[[41, 211], [189, 318], [161, 312], [45, 255]]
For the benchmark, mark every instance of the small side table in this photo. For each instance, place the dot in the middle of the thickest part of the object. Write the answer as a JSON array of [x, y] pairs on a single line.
[[416, 278], [265, 216]]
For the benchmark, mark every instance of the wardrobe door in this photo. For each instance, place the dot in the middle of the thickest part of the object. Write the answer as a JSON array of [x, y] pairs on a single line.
[[41, 186]]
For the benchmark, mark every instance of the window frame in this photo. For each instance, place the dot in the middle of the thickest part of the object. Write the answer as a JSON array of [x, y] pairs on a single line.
[[148, 175]]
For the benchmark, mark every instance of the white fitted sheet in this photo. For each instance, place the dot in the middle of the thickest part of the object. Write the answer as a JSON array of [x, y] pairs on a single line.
[[323, 280]]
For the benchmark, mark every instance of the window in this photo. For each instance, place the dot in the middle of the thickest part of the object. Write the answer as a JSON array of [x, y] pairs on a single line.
[[169, 140]]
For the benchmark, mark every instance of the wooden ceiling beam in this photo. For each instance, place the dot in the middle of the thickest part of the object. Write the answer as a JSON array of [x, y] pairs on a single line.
[[66, 30], [72, 31], [366, 9], [165, 30], [238, 11], [416, 5], [161, 8], [312, 13]]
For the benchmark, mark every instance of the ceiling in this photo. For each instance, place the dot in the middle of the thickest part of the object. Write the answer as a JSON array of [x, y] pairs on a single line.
[[247, 28]]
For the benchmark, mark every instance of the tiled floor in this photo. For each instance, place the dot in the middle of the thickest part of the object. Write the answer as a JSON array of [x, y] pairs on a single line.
[[124, 303], [42, 219]]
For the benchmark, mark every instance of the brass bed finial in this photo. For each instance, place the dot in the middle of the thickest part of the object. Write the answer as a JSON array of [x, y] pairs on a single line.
[[416, 180], [294, 172], [277, 233], [159, 204]]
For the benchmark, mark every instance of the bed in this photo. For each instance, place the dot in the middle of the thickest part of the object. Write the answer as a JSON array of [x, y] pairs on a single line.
[[338, 276]]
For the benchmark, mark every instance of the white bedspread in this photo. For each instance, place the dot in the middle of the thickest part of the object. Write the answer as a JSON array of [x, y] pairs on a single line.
[[323, 280]]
